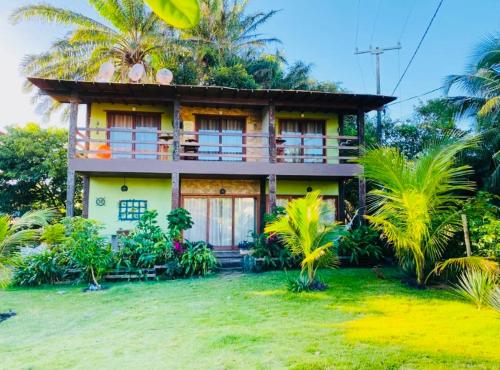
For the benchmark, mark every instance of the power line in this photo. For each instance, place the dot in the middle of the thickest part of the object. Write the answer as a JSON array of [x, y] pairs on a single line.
[[375, 21], [418, 46], [415, 97], [406, 21], [362, 75]]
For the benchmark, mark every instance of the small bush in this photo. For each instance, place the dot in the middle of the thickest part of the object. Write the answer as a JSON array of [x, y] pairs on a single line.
[[478, 287], [179, 219], [46, 267], [197, 259], [302, 284], [361, 246]]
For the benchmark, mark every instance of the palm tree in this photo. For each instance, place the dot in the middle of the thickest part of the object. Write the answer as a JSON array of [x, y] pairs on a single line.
[[305, 231], [126, 33], [414, 203], [481, 82], [225, 31], [18, 232]]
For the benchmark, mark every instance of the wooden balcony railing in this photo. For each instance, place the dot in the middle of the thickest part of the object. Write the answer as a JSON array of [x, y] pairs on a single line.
[[152, 144]]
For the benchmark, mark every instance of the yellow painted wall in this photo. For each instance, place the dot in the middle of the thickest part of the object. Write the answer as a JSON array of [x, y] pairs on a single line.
[[298, 187], [157, 191], [332, 126]]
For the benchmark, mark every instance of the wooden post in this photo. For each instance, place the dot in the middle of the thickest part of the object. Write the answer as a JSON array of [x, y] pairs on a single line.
[[177, 129], [360, 121], [70, 178], [466, 235], [341, 202], [262, 204], [272, 133], [176, 190], [85, 198], [272, 192]]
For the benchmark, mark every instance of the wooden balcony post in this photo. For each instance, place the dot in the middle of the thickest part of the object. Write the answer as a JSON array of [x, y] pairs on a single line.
[[272, 133], [176, 190], [272, 192], [85, 198], [70, 179], [341, 198], [177, 130], [360, 121]]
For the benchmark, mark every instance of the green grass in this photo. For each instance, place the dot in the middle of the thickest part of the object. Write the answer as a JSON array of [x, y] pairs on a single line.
[[247, 322]]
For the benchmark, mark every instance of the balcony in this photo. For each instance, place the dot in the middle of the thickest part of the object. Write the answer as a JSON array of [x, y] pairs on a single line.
[[147, 150]]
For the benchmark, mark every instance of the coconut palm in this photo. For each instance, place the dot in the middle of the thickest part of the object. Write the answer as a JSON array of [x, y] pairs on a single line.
[[126, 33], [481, 82], [414, 203], [225, 31], [305, 231], [18, 232]]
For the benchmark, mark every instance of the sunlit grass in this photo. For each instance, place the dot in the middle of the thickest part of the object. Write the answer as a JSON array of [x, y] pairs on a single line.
[[247, 322]]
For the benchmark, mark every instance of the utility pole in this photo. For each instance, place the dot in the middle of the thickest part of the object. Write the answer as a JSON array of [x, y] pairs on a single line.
[[377, 51]]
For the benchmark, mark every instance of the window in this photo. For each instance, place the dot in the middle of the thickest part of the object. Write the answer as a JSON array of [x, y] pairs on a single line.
[[133, 135], [217, 134], [131, 209], [303, 133]]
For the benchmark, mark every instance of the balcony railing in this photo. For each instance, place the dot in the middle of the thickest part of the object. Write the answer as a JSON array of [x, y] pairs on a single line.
[[152, 144]]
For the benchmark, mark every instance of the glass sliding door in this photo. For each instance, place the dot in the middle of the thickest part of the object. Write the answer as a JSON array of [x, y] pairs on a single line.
[[244, 216], [146, 137], [220, 135], [223, 221], [120, 135], [305, 133]]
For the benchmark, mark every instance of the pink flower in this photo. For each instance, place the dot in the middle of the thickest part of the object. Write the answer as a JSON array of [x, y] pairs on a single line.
[[178, 247]]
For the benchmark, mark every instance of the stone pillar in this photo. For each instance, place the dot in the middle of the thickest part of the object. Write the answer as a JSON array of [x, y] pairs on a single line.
[[272, 133], [70, 179], [85, 199], [177, 130], [272, 192]]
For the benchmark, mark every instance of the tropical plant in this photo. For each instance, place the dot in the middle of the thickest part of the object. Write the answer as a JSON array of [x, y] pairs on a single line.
[[225, 31], [87, 249], [478, 287], [304, 232], [178, 13], [18, 232], [272, 252], [126, 33], [46, 267], [414, 203], [198, 259], [481, 81], [53, 235], [361, 245], [179, 219]]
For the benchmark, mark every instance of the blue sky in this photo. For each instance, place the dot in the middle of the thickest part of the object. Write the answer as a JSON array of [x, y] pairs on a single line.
[[321, 32]]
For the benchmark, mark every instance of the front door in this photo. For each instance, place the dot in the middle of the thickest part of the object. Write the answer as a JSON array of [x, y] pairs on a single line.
[[222, 221]]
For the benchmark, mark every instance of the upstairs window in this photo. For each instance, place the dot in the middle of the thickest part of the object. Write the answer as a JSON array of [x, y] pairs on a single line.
[[216, 135], [300, 133], [133, 135]]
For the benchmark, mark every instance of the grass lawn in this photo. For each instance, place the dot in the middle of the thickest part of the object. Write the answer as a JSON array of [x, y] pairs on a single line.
[[247, 322]]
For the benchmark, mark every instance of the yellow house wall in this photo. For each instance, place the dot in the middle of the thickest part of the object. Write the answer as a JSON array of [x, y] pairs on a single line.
[[157, 191]]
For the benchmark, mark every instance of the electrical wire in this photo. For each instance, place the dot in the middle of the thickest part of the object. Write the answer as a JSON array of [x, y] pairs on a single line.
[[418, 46], [375, 21], [415, 97]]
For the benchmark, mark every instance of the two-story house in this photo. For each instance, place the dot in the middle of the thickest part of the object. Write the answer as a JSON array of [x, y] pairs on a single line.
[[226, 155]]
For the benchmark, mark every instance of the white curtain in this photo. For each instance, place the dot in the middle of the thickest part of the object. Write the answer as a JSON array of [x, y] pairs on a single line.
[[197, 207], [220, 221], [330, 203], [244, 219], [292, 144]]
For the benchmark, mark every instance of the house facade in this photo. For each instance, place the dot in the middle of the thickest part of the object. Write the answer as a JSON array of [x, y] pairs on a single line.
[[226, 155]]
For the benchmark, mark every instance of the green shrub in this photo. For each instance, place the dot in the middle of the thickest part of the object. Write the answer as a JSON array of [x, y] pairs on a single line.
[[233, 76], [272, 252], [46, 267], [53, 235], [146, 246], [87, 249], [302, 284], [179, 220], [361, 246], [197, 259], [478, 287]]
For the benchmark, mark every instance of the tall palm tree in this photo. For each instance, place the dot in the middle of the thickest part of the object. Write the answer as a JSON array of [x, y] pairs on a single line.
[[18, 232], [414, 203], [225, 31], [481, 81], [126, 33], [305, 231]]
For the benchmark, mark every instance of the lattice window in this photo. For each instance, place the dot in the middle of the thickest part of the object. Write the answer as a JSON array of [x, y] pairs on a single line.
[[131, 209]]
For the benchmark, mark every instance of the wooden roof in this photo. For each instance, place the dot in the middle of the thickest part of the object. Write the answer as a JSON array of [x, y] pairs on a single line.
[[129, 93]]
